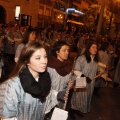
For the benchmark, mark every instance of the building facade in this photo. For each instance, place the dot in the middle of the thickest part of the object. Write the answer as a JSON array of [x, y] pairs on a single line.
[[37, 12], [28, 11], [44, 12]]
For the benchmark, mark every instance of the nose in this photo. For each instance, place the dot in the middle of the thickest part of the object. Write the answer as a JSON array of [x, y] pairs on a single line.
[[67, 52]]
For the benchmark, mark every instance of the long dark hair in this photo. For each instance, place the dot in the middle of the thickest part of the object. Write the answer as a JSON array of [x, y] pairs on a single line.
[[27, 33], [25, 56], [87, 52]]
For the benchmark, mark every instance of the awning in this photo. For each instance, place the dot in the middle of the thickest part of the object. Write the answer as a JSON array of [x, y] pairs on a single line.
[[75, 22]]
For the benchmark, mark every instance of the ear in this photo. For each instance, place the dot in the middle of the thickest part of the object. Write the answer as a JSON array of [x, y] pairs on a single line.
[[57, 52]]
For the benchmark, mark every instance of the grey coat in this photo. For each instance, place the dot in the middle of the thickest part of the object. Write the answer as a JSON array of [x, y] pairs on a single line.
[[14, 102]]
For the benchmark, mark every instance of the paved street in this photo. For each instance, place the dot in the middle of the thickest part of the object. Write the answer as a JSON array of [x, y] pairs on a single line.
[[104, 107]]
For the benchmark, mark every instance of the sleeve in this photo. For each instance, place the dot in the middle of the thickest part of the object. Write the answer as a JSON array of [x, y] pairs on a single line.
[[18, 51], [77, 73], [51, 101], [8, 102], [10, 119], [101, 64], [78, 66]]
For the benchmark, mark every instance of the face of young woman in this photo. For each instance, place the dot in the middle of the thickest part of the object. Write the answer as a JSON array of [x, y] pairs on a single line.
[[93, 49], [63, 53], [38, 62], [32, 36]]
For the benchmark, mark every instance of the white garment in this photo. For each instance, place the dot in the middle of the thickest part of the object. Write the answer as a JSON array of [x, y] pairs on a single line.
[[10, 118]]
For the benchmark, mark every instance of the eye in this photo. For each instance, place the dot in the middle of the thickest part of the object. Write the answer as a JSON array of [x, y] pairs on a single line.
[[38, 58], [68, 50], [63, 50], [45, 56]]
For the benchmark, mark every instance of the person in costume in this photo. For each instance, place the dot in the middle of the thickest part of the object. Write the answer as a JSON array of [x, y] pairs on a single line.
[[59, 68], [27, 94], [86, 66]]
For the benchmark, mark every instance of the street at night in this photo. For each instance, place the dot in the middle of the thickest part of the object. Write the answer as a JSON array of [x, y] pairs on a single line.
[[60, 53]]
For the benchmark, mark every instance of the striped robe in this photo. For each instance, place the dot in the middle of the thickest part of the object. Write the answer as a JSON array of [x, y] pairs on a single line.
[[59, 83], [14, 102], [81, 99], [117, 73]]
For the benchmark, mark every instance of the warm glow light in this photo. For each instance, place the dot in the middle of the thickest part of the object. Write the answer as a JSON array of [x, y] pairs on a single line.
[[60, 16], [71, 21]]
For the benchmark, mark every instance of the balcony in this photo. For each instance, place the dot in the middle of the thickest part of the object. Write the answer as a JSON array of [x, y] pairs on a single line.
[[46, 2]]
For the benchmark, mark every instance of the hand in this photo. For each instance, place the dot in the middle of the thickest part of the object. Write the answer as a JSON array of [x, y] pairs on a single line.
[[70, 84], [83, 75], [62, 96], [66, 96], [88, 80]]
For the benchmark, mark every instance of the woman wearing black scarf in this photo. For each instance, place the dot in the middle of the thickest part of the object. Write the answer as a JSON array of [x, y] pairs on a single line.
[[27, 95]]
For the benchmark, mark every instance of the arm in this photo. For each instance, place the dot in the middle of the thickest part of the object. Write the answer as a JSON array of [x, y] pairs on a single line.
[[17, 39], [51, 101], [8, 102], [101, 64], [11, 40], [78, 66], [78, 69], [18, 52]]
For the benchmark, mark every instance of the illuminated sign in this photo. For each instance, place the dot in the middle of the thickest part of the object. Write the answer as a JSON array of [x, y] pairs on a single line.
[[17, 12], [73, 10]]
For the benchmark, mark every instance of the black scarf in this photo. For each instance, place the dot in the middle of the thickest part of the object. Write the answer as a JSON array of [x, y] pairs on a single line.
[[38, 89]]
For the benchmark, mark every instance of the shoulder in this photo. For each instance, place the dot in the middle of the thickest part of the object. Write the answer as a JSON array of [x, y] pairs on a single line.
[[12, 83], [21, 45], [100, 51], [49, 69], [82, 57], [52, 72]]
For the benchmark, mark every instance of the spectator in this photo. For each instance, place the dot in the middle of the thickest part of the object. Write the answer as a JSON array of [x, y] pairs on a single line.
[[30, 35]]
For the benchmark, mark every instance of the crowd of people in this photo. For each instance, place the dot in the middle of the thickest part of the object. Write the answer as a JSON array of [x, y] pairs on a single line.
[[42, 71]]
